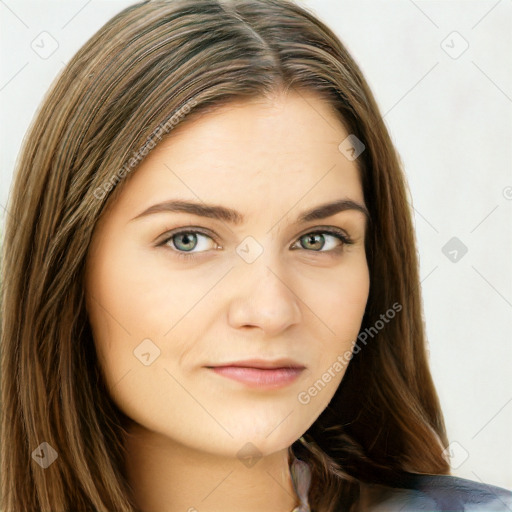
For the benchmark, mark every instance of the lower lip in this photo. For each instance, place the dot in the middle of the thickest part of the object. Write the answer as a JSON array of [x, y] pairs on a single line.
[[259, 378]]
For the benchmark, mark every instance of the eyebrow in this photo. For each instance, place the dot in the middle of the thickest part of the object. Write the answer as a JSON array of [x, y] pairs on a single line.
[[223, 213]]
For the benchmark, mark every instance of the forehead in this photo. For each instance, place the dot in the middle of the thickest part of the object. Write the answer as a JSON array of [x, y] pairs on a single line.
[[249, 154]]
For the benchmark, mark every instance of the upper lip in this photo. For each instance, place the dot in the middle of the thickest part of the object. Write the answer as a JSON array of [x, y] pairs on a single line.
[[262, 363]]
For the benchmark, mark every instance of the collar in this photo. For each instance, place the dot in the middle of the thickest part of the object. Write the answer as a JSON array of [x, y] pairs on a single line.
[[301, 477]]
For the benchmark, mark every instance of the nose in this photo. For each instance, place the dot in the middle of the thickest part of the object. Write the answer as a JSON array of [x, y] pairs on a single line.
[[263, 299]]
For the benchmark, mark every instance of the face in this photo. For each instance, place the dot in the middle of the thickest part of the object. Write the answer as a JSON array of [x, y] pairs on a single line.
[[173, 292]]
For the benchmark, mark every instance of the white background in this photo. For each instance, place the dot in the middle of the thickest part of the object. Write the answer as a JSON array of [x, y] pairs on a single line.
[[450, 119]]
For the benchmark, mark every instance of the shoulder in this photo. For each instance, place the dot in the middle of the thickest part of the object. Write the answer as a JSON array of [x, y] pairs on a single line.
[[435, 493]]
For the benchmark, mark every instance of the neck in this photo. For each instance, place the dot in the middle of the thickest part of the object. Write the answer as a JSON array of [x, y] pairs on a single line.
[[167, 476]]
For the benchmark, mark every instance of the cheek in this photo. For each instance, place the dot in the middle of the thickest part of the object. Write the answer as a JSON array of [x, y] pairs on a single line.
[[340, 300], [135, 295], [132, 293], [121, 298], [338, 306], [349, 307]]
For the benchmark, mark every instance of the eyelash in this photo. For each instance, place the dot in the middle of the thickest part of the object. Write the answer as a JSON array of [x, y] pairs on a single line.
[[337, 233]]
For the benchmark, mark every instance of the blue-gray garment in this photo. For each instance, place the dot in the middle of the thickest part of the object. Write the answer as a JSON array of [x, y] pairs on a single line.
[[415, 493]]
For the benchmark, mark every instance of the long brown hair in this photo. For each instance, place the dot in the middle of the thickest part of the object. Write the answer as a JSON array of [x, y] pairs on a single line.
[[157, 64]]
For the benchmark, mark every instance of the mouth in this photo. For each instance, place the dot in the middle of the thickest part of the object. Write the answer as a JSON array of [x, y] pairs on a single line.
[[260, 374]]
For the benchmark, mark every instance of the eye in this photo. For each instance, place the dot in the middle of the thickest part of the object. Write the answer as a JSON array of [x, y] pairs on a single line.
[[312, 241], [183, 242]]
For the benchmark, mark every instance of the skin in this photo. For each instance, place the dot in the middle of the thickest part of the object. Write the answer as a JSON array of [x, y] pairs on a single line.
[[270, 160]]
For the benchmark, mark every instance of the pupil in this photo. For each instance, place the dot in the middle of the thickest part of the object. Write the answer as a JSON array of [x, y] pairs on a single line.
[[188, 238], [311, 238]]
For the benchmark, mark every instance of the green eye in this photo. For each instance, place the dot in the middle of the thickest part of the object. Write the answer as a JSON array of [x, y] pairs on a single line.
[[184, 242]]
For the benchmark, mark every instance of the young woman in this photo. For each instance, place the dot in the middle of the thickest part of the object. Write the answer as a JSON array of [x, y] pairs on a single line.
[[210, 285]]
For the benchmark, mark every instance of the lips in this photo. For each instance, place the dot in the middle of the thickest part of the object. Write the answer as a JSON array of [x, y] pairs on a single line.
[[261, 364], [262, 374]]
